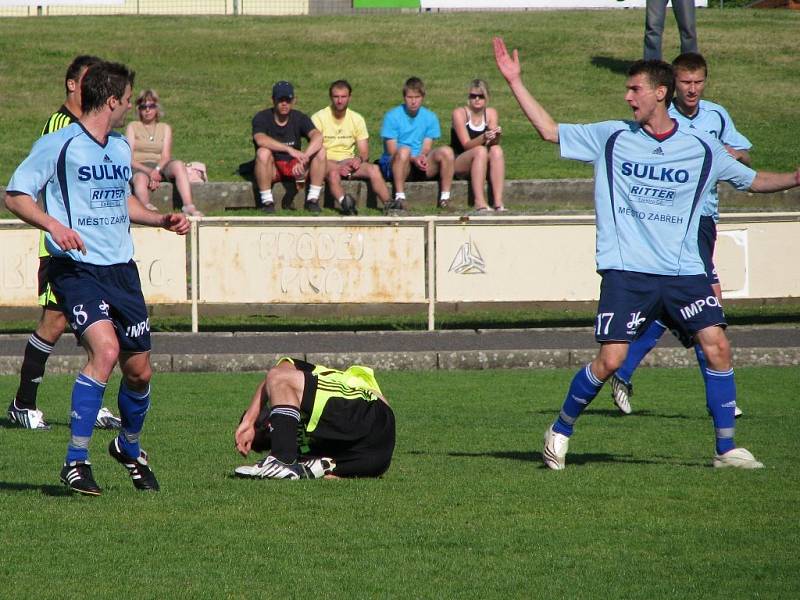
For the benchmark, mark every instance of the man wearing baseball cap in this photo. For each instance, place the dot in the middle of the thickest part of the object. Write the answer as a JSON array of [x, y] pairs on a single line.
[[277, 135]]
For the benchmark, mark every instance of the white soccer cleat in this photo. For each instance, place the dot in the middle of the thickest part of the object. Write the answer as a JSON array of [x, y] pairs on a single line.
[[555, 450], [741, 458], [27, 418], [319, 467], [271, 468], [737, 412], [621, 392], [106, 420]]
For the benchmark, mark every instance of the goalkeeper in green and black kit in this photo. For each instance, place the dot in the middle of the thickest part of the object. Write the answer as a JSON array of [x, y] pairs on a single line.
[[317, 422]]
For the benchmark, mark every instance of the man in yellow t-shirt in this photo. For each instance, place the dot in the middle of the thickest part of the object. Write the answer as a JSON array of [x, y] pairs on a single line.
[[346, 143]]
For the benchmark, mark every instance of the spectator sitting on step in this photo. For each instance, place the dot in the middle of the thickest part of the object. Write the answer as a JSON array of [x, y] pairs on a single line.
[[346, 142], [277, 134], [475, 139], [408, 133], [151, 147]]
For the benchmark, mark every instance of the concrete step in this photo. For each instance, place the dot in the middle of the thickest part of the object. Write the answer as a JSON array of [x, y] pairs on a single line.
[[534, 196]]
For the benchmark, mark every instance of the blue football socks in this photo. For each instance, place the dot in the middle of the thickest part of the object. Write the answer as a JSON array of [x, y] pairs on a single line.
[[133, 407], [639, 348], [583, 389], [87, 398], [721, 402]]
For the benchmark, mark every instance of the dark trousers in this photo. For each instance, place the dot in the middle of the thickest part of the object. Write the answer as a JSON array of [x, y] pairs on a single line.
[[654, 26]]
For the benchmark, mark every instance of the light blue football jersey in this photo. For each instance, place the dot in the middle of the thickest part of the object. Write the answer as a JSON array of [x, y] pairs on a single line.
[[649, 192], [83, 185], [714, 120]]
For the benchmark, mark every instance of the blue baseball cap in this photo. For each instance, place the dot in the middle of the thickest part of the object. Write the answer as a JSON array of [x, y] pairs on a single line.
[[283, 89]]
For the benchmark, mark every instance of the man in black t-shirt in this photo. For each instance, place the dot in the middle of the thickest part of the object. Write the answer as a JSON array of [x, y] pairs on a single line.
[[277, 134]]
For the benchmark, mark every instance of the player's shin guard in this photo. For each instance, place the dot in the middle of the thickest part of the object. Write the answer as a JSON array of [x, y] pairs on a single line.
[[283, 422], [639, 348], [721, 402], [37, 351], [582, 391], [87, 398], [133, 407]]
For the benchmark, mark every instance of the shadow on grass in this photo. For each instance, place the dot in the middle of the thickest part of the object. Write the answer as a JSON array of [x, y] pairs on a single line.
[[613, 413], [615, 65], [47, 490], [576, 459]]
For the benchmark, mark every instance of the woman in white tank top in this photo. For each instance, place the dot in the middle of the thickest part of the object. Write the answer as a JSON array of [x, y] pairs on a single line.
[[475, 139]]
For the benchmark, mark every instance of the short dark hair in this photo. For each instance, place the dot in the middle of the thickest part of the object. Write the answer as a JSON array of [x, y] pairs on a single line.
[[340, 83], [690, 61], [659, 73], [76, 66], [414, 84], [102, 81]]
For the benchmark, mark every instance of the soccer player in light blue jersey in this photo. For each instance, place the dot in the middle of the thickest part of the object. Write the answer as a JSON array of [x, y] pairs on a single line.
[[82, 173], [650, 180], [693, 114]]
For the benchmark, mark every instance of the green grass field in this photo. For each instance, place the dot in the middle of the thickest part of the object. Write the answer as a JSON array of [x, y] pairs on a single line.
[[214, 73], [466, 510]]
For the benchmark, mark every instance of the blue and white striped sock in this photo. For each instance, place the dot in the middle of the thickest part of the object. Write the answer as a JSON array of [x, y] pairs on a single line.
[[721, 402], [133, 407], [87, 398], [639, 348], [582, 391]]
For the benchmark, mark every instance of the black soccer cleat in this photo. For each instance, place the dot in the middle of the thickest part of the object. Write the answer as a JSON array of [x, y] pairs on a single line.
[[141, 474], [77, 476]]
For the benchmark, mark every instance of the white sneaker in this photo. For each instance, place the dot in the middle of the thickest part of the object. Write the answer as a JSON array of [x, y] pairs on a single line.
[[271, 468], [738, 457], [27, 418], [319, 467], [555, 449], [621, 392], [737, 412], [106, 420]]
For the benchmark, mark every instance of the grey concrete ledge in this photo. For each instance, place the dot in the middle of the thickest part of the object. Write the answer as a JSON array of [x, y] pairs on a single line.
[[523, 195], [421, 361]]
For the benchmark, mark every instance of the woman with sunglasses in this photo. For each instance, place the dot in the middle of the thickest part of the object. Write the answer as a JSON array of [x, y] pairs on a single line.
[[151, 146], [475, 139]]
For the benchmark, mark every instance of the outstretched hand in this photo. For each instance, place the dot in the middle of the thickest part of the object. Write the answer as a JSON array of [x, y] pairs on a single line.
[[176, 222], [507, 64]]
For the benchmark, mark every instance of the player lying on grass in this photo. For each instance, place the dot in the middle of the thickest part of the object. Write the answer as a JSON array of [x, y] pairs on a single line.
[[317, 422], [651, 175]]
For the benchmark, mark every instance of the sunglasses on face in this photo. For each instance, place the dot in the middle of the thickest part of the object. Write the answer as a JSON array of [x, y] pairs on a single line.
[[147, 106], [477, 97]]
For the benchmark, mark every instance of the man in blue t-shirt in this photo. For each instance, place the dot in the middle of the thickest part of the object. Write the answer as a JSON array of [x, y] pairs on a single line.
[[694, 114], [408, 133], [651, 177], [82, 173]]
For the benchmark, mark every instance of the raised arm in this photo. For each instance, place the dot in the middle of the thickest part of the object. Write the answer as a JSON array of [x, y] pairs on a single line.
[[509, 67]]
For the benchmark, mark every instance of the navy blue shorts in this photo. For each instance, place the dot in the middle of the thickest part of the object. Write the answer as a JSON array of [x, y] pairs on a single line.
[[385, 164], [706, 240], [630, 301], [92, 293]]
